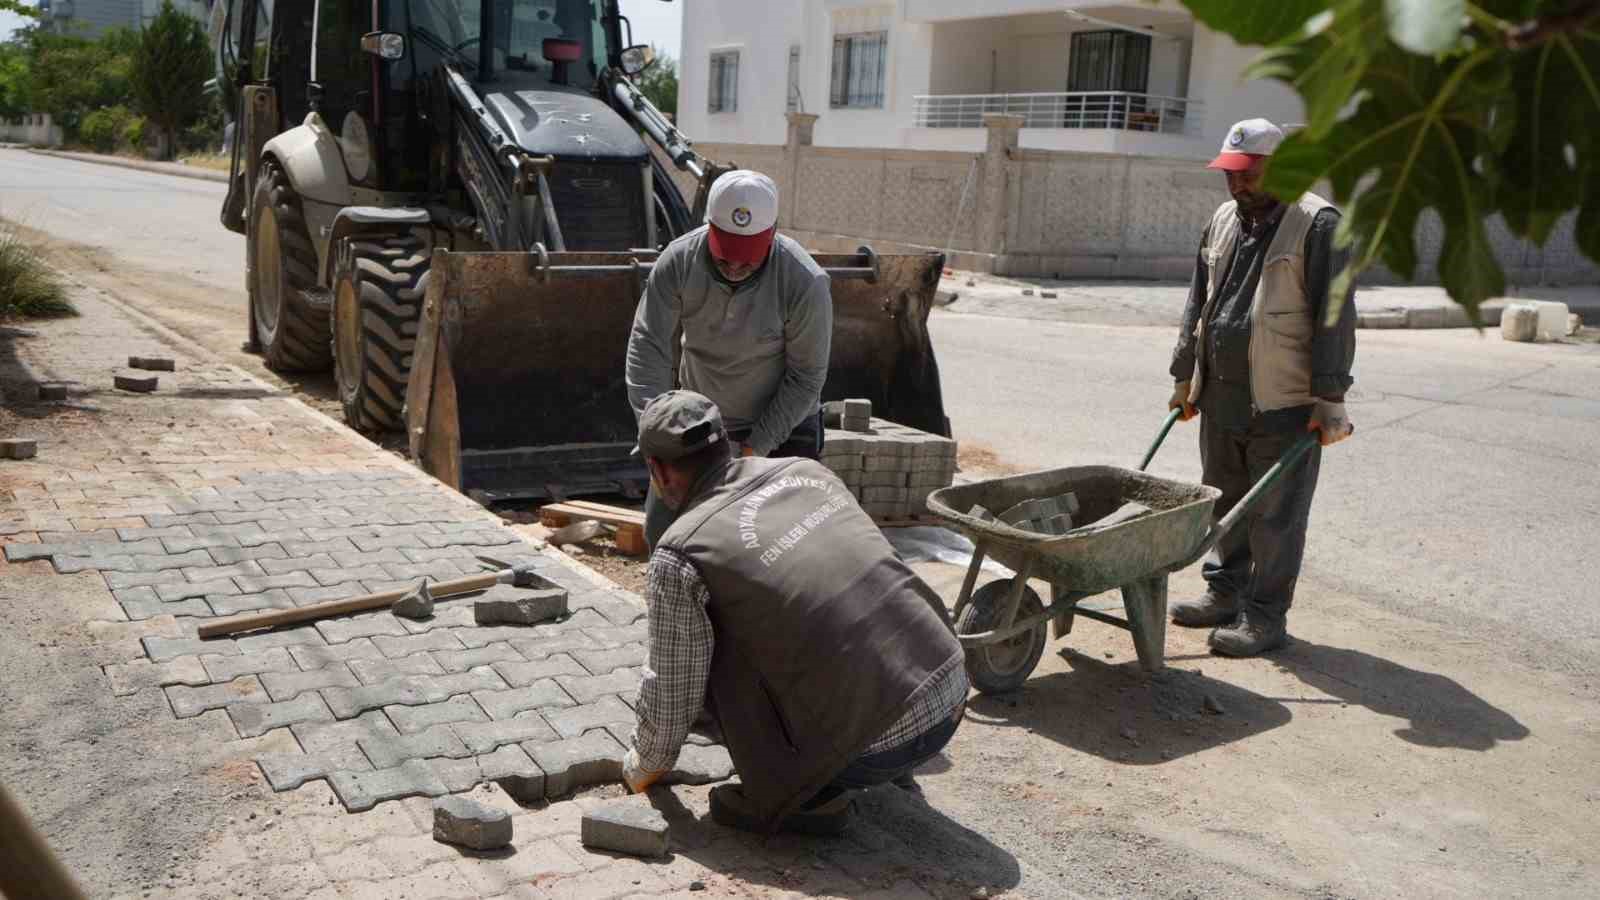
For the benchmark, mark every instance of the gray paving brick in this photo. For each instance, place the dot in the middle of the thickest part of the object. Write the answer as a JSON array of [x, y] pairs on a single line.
[[378, 669], [479, 679], [462, 660], [486, 538], [589, 688], [254, 584], [484, 635], [288, 771], [305, 596], [439, 570], [107, 562], [364, 557], [176, 591], [296, 563], [288, 685], [448, 614], [153, 533], [522, 674], [484, 736], [188, 702], [162, 649], [232, 604], [164, 520], [237, 531], [602, 662], [147, 547], [515, 772], [342, 532], [198, 542], [617, 610], [238, 516], [341, 575], [385, 585], [387, 752], [184, 561], [549, 643], [361, 791], [594, 758], [298, 636], [412, 690], [130, 678], [312, 547], [227, 668], [273, 534], [140, 603], [262, 554], [395, 647], [255, 719], [351, 652], [700, 764], [458, 775], [213, 573], [412, 719], [117, 580], [463, 555], [584, 619], [337, 631], [317, 737], [546, 694], [576, 720]]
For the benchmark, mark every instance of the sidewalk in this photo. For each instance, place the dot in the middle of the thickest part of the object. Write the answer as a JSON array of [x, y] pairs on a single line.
[[299, 762], [143, 165]]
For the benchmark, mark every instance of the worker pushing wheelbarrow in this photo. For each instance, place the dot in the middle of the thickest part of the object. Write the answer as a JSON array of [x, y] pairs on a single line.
[[1138, 529]]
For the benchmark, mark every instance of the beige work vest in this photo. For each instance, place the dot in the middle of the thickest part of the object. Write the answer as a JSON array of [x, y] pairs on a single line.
[[1280, 315]]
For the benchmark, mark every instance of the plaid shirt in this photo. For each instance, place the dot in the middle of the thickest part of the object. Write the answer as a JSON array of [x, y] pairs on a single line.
[[681, 643]]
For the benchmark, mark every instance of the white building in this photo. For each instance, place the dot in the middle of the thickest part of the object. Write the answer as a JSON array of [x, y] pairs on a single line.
[[1133, 77]]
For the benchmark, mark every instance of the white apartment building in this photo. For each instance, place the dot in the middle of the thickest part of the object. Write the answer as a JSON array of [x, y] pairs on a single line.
[[1122, 78]]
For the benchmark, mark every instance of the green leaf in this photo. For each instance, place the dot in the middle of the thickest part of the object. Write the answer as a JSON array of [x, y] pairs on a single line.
[[1327, 62], [1554, 102], [1426, 26], [1255, 22]]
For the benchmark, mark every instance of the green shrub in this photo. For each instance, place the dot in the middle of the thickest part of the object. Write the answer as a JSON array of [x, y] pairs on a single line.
[[28, 287], [133, 133], [103, 128]]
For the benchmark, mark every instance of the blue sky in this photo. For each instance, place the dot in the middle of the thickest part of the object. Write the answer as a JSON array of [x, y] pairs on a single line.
[[654, 22]]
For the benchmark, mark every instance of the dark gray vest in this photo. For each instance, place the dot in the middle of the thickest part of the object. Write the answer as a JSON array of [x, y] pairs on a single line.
[[823, 637]]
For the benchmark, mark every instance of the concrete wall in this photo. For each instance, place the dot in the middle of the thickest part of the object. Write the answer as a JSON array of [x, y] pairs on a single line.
[[36, 129], [92, 18]]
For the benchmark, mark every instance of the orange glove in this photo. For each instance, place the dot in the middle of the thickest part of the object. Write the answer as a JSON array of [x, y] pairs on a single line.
[[1331, 423], [1180, 399], [637, 778]]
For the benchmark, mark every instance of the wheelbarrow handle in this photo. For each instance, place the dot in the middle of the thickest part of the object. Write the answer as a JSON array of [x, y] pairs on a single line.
[[1166, 427], [1289, 460]]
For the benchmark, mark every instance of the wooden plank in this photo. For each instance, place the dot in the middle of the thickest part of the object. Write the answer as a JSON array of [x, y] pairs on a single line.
[[574, 512], [633, 514], [631, 542]]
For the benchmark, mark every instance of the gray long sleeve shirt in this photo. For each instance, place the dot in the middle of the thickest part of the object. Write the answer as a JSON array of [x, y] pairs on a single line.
[[759, 349]]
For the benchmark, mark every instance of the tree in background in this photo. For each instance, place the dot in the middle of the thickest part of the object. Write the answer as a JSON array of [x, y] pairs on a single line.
[[170, 68], [1471, 109], [659, 83], [69, 77]]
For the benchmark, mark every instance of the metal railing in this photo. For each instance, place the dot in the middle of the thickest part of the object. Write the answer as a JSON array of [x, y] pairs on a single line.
[[1118, 110]]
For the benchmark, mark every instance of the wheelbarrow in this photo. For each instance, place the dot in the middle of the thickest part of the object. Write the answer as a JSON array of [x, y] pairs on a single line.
[[1003, 624]]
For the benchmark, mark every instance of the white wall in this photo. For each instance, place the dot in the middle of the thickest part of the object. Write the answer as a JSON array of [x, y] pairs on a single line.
[[762, 33], [1215, 78]]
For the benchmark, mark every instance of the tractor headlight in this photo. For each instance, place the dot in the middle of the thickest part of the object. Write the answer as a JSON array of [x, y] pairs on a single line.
[[356, 143]]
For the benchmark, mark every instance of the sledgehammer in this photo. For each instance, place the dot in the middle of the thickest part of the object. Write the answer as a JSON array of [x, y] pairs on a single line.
[[520, 576]]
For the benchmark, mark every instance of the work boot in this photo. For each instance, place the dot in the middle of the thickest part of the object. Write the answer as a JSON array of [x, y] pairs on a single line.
[[1253, 633], [1207, 612], [730, 808]]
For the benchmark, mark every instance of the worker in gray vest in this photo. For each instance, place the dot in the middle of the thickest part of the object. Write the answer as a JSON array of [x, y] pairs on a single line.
[[1259, 362], [756, 316], [829, 666]]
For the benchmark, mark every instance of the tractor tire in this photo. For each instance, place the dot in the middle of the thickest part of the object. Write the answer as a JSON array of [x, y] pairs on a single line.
[[290, 330], [379, 283]]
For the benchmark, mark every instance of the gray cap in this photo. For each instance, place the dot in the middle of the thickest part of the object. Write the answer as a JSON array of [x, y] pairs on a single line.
[[678, 423]]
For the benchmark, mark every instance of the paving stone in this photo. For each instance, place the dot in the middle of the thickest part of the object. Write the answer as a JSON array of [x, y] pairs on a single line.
[[488, 538], [479, 679], [617, 610], [417, 604], [316, 657], [462, 555], [545, 694], [274, 535], [255, 719], [298, 636], [162, 649], [148, 533], [305, 596], [227, 668], [530, 608], [463, 660], [447, 614], [407, 644], [136, 384], [296, 564], [412, 719], [458, 775], [522, 674], [288, 771], [188, 702], [594, 758], [483, 635], [319, 737], [198, 542], [515, 772], [699, 764], [289, 685], [484, 736], [340, 575], [602, 662], [389, 751], [362, 558], [630, 826], [376, 669], [548, 643], [177, 591], [153, 363], [574, 721], [163, 520], [589, 688], [228, 605], [337, 631], [117, 580], [142, 603], [468, 823], [130, 678], [412, 690], [312, 547], [261, 554], [361, 791], [441, 570], [252, 584], [214, 573]]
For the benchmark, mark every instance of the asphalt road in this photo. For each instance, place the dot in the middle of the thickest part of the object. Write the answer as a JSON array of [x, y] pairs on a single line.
[[1468, 497]]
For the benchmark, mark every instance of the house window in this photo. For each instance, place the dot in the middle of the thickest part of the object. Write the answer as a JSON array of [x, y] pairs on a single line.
[[795, 104], [858, 67], [1109, 61], [724, 95]]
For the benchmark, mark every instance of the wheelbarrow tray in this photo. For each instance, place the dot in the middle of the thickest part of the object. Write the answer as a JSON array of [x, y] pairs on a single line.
[[1089, 560]]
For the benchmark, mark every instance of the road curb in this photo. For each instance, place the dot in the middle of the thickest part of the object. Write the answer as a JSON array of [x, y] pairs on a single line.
[[159, 168], [1421, 318]]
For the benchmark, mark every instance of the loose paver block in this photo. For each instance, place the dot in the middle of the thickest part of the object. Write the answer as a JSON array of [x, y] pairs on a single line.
[[52, 393], [631, 826], [700, 764], [468, 823], [594, 758], [361, 791], [135, 383], [530, 608], [418, 604], [152, 363], [18, 448]]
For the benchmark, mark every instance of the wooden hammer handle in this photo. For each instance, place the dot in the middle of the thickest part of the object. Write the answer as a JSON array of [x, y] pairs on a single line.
[[383, 600]]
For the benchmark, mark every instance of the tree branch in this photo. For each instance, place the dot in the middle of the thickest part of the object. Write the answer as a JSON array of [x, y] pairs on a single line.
[[1536, 31]]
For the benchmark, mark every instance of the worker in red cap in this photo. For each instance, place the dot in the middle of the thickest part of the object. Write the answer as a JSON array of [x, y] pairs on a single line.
[[756, 317], [1259, 362]]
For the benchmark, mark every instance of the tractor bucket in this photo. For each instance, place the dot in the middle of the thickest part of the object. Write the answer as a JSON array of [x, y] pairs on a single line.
[[517, 388]]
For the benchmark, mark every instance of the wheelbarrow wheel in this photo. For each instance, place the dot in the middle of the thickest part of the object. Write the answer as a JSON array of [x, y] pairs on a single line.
[[1001, 667]]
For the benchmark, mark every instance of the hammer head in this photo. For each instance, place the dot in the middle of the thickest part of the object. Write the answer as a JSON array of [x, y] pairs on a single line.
[[521, 575]]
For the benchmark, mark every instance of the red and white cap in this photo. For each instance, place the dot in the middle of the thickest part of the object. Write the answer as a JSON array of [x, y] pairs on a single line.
[[743, 214], [1247, 142]]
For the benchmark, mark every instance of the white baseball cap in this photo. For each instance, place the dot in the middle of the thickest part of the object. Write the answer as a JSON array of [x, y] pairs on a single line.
[[743, 213], [1247, 142]]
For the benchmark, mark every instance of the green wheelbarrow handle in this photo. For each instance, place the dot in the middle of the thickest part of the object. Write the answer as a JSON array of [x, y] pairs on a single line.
[[1161, 436]]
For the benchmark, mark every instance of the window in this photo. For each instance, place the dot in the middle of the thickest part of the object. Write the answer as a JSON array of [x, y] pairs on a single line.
[[724, 94], [858, 67], [796, 104], [1109, 61]]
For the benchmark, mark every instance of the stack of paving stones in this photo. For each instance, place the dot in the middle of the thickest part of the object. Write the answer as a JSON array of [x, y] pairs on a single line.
[[891, 469], [382, 707]]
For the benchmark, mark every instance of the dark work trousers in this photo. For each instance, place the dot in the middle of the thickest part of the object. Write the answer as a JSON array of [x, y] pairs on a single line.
[[891, 764], [805, 441], [1257, 563]]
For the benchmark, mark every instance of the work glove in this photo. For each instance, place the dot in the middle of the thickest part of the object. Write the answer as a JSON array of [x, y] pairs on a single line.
[[637, 778], [1331, 422], [1180, 400]]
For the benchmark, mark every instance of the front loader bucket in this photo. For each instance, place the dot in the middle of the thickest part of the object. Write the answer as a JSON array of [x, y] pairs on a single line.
[[517, 388]]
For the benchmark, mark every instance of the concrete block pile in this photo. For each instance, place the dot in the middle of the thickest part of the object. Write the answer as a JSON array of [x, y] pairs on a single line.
[[891, 469]]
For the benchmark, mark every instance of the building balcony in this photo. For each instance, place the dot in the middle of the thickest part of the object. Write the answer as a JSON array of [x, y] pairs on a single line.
[[1093, 110]]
